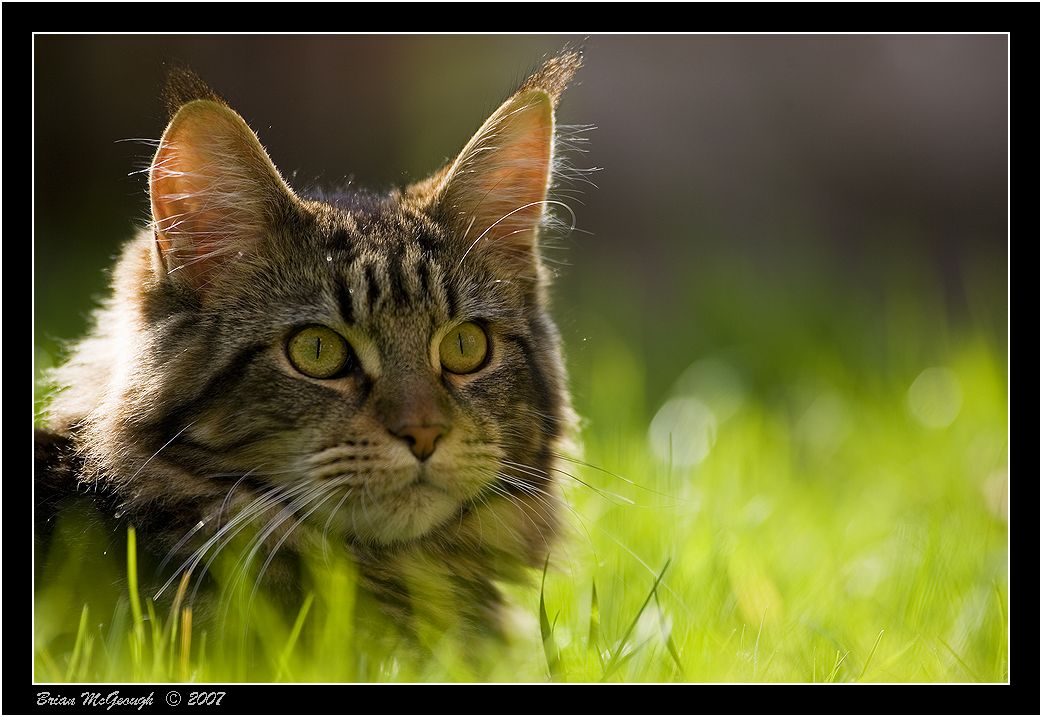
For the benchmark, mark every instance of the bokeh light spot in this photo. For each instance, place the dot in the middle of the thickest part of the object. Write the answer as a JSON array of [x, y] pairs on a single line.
[[683, 431], [825, 423], [996, 494], [715, 383], [935, 397]]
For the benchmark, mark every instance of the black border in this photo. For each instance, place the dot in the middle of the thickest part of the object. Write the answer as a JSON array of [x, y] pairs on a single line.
[[1021, 20]]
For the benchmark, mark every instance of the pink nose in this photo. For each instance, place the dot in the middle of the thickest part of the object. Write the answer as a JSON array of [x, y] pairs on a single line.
[[421, 439]]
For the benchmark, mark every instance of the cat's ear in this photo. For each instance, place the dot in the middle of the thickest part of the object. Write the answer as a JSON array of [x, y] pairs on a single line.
[[214, 191], [494, 195]]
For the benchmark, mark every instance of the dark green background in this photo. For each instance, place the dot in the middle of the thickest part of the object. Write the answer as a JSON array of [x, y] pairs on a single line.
[[778, 187]]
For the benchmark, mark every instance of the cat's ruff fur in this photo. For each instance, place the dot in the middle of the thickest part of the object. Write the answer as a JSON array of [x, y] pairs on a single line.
[[180, 406]]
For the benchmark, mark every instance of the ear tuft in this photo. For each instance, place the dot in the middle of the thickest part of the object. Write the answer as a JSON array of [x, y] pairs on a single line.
[[555, 74], [184, 86], [494, 195]]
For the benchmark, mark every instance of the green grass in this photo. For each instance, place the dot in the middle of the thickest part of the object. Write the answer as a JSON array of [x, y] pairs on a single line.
[[806, 516]]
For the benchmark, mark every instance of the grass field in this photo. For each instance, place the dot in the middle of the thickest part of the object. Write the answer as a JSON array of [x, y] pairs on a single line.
[[782, 486]]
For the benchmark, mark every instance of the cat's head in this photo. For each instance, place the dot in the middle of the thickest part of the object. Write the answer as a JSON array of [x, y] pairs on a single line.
[[386, 362]]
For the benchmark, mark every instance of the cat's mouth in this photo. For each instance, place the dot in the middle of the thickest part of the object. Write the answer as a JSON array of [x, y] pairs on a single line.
[[412, 480], [409, 512], [389, 506], [389, 483], [384, 498]]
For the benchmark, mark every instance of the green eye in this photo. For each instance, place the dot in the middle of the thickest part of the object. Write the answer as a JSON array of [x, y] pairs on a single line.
[[464, 348], [318, 351]]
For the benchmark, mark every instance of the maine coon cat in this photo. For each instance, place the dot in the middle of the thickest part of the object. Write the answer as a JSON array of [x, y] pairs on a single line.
[[378, 370]]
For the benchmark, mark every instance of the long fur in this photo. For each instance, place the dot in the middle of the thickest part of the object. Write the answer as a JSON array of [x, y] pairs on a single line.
[[182, 409]]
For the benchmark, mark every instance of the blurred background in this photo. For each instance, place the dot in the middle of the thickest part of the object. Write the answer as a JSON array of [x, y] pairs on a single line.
[[780, 164]]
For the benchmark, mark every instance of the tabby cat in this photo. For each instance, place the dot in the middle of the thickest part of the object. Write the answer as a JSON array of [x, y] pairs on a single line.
[[378, 369]]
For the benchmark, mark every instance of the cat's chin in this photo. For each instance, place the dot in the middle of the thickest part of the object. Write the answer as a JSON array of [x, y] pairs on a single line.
[[402, 516]]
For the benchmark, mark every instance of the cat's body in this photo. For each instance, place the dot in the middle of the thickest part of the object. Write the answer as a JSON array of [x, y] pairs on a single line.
[[292, 364]]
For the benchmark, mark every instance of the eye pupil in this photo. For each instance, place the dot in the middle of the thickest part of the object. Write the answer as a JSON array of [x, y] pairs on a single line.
[[463, 350], [318, 351]]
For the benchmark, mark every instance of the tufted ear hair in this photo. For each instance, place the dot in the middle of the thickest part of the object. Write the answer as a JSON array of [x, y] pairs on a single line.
[[494, 194], [214, 191]]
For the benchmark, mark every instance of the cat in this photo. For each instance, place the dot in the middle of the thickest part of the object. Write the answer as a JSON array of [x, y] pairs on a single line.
[[378, 369]]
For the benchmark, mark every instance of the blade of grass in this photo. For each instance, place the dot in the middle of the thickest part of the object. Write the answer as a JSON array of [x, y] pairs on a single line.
[[88, 650], [594, 636], [961, 662], [756, 645], [870, 654], [175, 613], [157, 637], [138, 636], [835, 668], [626, 657], [77, 648], [116, 631], [298, 625], [186, 641], [667, 636], [49, 665], [553, 655], [613, 664]]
